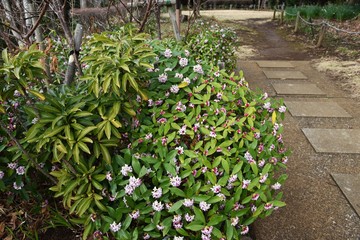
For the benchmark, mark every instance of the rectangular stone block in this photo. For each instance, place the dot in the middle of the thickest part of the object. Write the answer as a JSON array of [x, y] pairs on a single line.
[[316, 109], [297, 89], [350, 186], [285, 75], [274, 64], [334, 140]]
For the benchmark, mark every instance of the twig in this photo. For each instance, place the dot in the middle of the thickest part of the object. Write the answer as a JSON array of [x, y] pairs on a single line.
[[27, 154], [42, 13], [147, 13]]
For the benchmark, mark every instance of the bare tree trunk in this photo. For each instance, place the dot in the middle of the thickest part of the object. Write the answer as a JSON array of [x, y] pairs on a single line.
[[73, 59], [14, 30], [83, 4]]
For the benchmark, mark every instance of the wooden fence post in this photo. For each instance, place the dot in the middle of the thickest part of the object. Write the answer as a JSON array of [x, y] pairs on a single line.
[[297, 22], [282, 17], [321, 35], [174, 23], [274, 16]]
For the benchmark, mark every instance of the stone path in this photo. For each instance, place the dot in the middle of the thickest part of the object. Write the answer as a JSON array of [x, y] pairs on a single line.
[[322, 128]]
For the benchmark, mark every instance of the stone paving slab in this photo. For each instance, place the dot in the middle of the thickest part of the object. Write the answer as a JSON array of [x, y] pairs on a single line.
[[284, 74], [297, 89], [350, 186], [274, 64], [334, 140], [316, 109]]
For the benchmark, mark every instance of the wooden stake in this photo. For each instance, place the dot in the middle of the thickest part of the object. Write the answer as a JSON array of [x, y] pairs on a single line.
[[282, 17], [297, 22], [321, 35], [174, 23], [274, 16]]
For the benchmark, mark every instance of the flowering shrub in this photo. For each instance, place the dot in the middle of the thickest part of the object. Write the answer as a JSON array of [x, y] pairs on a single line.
[[202, 157], [194, 156], [214, 44], [19, 85]]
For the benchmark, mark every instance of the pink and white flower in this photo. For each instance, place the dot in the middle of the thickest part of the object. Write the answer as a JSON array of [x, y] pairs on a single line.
[[204, 206], [135, 214], [115, 227], [156, 192], [126, 169], [189, 218], [276, 186], [174, 89], [175, 181], [163, 78], [180, 149], [245, 183], [244, 229], [188, 202], [216, 189], [282, 109], [167, 53], [157, 206], [183, 62]]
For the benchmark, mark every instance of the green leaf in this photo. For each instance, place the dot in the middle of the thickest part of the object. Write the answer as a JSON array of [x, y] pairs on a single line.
[[52, 132], [105, 153], [229, 230], [237, 168], [149, 227], [177, 192], [176, 206], [278, 203], [190, 154], [212, 177], [194, 227], [225, 165], [85, 131], [170, 168], [254, 168], [126, 223], [199, 215]]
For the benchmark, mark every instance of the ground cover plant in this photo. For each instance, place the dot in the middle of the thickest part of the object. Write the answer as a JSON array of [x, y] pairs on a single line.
[[330, 12], [154, 141]]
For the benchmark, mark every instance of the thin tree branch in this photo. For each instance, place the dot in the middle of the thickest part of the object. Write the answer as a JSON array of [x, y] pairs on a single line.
[[27, 154], [42, 13], [147, 13]]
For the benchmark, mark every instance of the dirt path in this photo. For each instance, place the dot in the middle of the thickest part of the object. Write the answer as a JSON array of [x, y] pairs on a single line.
[[316, 207]]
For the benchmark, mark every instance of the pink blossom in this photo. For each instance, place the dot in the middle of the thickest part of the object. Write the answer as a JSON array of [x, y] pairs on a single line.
[[126, 169], [216, 188], [189, 217], [180, 149], [204, 206], [175, 181], [276, 186], [234, 221], [135, 214], [245, 183], [268, 206], [114, 227], [157, 206], [156, 192], [188, 202], [207, 230], [244, 229]]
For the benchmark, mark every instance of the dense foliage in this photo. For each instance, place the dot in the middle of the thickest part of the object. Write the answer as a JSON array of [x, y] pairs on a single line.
[[329, 12], [188, 151]]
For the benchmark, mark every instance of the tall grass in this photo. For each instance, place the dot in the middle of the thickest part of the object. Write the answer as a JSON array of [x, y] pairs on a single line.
[[331, 12]]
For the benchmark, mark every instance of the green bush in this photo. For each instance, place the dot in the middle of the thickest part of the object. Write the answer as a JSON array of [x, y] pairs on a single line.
[[330, 11], [189, 151], [213, 44]]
